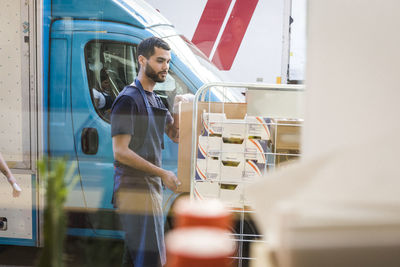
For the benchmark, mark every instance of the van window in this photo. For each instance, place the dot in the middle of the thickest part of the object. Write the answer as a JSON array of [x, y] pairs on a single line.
[[110, 67], [172, 86]]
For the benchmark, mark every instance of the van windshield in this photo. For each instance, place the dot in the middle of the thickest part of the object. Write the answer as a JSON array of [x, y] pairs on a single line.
[[201, 66]]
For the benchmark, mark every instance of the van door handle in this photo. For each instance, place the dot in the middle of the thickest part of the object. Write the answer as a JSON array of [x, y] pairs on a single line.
[[90, 141]]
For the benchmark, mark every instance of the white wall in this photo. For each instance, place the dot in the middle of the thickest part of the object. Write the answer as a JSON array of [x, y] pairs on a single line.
[[260, 53], [352, 73], [298, 42], [183, 14]]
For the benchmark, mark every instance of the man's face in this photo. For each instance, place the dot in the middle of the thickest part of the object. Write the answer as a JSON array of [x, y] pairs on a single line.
[[157, 65]]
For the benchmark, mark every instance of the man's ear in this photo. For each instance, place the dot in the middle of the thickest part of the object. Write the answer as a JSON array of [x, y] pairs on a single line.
[[142, 60]]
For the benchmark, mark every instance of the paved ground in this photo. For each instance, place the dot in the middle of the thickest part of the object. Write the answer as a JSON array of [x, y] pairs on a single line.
[[17, 256], [78, 252]]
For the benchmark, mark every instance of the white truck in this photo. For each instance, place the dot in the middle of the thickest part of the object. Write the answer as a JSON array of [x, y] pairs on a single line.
[[21, 131], [248, 40]]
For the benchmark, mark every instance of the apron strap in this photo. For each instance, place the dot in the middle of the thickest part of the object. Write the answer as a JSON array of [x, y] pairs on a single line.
[[142, 93]]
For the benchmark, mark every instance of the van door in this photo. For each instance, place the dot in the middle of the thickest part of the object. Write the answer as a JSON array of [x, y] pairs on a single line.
[[102, 64]]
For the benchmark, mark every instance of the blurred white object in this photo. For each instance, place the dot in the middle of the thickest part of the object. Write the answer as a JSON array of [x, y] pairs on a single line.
[[340, 205], [204, 213], [259, 252], [99, 98], [344, 201], [185, 98], [285, 103], [16, 187], [352, 90], [205, 208]]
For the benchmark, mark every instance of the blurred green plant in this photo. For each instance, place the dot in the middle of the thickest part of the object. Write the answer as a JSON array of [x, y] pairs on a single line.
[[57, 181]]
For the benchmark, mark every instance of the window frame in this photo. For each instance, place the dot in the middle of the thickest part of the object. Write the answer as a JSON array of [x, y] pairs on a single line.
[[99, 113], [173, 69]]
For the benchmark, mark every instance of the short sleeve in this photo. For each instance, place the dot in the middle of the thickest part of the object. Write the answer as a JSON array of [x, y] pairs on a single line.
[[169, 119], [123, 116]]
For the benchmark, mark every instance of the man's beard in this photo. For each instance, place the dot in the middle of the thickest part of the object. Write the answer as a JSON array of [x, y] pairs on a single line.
[[150, 72]]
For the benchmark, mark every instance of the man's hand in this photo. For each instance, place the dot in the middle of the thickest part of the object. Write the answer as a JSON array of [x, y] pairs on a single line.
[[173, 132], [186, 98], [170, 180]]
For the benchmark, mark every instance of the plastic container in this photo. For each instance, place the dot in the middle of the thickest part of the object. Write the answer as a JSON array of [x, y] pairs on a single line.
[[205, 213], [199, 247]]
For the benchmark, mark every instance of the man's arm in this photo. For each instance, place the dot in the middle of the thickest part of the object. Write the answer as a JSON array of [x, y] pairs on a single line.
[[172, 129], [123, 154]]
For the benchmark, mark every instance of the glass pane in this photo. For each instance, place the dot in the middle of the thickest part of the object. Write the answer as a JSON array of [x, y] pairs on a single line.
[[111, 66], [172, 86]]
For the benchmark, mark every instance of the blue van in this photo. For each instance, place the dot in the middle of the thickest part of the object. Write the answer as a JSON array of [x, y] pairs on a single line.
[[87, 38]]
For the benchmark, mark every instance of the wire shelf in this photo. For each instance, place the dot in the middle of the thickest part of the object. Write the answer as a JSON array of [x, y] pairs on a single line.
[[233, 148]]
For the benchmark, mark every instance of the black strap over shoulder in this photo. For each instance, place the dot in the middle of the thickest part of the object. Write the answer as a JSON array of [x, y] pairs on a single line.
[[141, 123]]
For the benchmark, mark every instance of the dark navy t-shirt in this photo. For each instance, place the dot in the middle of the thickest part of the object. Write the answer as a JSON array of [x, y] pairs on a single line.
[[128, 107], [129, 116], [123, 116]]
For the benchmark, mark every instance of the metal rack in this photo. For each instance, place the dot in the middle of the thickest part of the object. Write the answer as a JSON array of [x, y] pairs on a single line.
[[279, 112]]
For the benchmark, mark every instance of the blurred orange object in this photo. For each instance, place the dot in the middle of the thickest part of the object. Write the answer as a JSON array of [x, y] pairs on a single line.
[[199, 247], [207, 213]]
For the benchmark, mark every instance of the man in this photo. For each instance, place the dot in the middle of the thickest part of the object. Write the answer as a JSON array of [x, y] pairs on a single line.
[[138, 122]]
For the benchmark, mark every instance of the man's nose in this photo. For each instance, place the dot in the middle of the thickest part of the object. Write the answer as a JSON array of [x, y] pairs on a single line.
[[166, 66]]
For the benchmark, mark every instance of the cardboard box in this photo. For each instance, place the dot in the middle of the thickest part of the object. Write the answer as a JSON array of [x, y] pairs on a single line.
[[284, 156], [213, 124], [234, 130], [258, 127], [209, 146], [206, 190], [232, 195], [213, 147], [232, 169], [228, 170], [256, 150], [253, 170], [286, 134], [208, 169], [248, 201], [232, 111], [232, 151]]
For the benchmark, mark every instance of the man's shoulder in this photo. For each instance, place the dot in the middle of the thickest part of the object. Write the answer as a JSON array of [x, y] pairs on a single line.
[[130, 95], [130, 92]]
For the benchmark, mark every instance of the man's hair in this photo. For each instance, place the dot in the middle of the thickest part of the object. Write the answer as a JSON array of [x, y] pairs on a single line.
[[146, 47]]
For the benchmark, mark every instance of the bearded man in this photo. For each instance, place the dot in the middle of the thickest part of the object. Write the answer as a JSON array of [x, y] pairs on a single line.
[[138, 122]]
